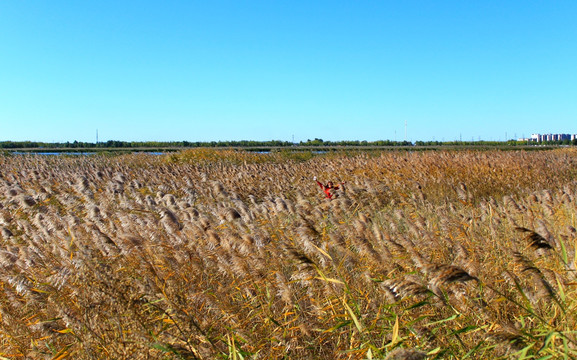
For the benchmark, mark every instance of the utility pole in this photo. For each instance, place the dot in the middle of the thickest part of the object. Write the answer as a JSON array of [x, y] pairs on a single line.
[[96, 136]]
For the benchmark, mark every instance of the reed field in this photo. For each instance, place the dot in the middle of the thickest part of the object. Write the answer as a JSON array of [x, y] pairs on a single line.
[[223, 254]]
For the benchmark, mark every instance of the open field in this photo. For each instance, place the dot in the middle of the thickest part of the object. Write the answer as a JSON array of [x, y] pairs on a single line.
[[223, 254]]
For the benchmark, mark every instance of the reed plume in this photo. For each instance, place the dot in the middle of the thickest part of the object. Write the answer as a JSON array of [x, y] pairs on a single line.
[[534, 240], [406, 354]]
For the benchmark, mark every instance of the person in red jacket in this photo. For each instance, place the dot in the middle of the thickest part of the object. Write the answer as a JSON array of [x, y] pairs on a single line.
[[329, 188]]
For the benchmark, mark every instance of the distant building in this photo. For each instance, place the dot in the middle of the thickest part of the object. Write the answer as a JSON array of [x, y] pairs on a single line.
[[549, 137]]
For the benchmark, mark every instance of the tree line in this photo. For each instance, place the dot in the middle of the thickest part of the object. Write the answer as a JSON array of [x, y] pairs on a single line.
[[116, 144], [191, 144]]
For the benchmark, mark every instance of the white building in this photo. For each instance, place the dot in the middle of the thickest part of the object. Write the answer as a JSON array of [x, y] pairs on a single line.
[[551, 137]]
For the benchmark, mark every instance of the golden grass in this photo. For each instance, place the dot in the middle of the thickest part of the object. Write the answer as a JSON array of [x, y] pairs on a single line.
[[210, 254]]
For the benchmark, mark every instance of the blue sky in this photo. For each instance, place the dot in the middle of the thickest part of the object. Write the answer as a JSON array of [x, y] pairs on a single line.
[[274, 70]]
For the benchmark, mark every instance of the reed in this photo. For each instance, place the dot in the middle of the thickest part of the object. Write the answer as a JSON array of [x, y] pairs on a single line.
[[208, 254]]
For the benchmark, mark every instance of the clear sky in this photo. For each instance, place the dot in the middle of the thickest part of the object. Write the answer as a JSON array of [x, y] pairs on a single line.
[[273, 70]]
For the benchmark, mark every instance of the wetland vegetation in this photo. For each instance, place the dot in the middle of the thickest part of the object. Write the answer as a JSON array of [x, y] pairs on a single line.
[[227, 254]]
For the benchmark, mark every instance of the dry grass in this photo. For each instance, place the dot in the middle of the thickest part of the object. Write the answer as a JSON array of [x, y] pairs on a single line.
[[211, 254]]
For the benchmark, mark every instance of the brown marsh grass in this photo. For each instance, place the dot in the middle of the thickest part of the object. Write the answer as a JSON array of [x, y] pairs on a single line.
[[209, 254]]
